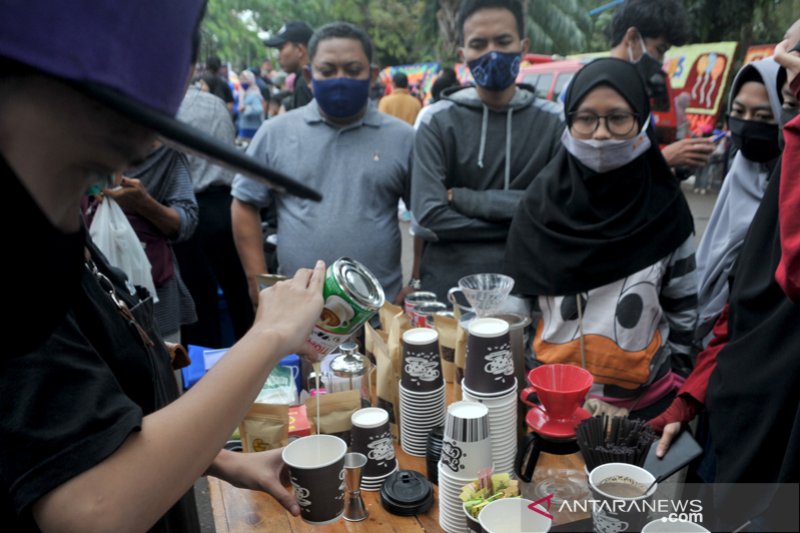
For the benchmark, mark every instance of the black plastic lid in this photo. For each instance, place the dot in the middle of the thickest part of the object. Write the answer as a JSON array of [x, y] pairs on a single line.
[[406, 493]]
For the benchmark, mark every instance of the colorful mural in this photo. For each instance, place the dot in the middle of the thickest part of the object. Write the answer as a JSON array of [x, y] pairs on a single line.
[[759, 51], [703, 72], [420, 75]]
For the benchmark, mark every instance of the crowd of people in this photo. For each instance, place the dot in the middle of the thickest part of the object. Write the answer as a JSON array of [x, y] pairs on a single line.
[[575, 200]]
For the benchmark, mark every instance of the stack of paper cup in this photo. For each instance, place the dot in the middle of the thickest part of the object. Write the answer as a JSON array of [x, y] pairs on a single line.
[[466, 450], [489, 378], [422, 395], [371, 436]]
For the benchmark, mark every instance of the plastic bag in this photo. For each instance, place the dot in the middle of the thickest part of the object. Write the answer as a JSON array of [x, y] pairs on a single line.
[[115, 237]]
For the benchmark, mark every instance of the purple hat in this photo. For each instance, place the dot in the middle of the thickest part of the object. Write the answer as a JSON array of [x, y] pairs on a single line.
[[134, 57]]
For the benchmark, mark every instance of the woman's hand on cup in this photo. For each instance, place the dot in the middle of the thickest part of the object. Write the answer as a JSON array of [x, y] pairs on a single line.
[[289, 309], [264, 471]]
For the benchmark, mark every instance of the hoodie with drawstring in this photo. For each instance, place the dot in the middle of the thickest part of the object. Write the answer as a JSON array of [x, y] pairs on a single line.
[[487, 157]]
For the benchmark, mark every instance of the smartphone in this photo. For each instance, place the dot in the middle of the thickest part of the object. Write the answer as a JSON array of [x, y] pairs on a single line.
[[683, 450]]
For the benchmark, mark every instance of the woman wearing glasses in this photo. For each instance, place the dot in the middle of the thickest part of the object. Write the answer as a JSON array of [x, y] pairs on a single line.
[[602, 243]]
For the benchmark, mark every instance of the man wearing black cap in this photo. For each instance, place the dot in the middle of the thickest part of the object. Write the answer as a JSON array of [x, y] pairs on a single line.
[[292, 43], [87, 418]]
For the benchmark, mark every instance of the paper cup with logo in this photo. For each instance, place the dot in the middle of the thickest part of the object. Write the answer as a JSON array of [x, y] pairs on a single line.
[[371, 436], [316, 470], [489, 368], [608, 513], [466, 445], [513, 514], [421, 369]]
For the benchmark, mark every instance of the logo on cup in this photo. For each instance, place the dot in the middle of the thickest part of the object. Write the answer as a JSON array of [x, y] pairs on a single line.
[[381, 450], [301, 494], [451, 456], [499, 363], [421, 369], [342, 486], [605, 523]]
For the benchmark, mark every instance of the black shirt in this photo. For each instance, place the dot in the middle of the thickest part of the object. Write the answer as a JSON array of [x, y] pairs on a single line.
[[301, 95], [219, 87], [70, 404]]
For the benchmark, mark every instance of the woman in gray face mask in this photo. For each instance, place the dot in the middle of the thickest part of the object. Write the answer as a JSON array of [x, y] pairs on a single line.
[[602, 242]]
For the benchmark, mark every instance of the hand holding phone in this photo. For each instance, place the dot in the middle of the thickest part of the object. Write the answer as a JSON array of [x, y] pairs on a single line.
[[718, 137]]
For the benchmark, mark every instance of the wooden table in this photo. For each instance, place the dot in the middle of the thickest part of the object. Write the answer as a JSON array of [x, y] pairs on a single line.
[[241, 510]]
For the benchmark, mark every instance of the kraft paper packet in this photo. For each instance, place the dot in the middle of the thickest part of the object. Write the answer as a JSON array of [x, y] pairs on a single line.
[[386, 382], [335, 410], [265, 427], [387, 349], [448, 336], [399, 324], [461, 358]]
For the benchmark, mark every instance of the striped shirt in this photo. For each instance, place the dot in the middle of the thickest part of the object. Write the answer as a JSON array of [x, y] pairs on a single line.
[[637, 331]]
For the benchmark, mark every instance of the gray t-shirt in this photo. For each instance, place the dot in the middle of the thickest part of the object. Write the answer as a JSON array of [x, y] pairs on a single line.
[[361, 170], [207, 113]]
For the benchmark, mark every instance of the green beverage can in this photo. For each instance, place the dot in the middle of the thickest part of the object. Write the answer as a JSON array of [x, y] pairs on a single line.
[[352, 295]]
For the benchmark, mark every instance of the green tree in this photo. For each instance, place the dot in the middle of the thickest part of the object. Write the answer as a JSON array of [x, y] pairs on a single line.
[[553, 26], [227, 34], [746, 21], [558, 26]]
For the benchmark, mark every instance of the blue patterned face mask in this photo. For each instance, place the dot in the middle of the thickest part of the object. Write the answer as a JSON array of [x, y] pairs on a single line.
[[495, 71], [341, 97]]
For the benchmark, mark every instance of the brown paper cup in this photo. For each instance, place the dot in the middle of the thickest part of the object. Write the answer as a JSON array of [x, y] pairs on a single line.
[[316, 470]]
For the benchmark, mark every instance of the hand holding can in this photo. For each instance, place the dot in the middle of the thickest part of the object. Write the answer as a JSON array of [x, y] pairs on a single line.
[[289, 309]]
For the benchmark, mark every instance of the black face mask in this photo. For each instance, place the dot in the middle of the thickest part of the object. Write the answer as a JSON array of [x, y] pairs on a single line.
[[786, 117], [655, 81], [756, 140], [44, 274]]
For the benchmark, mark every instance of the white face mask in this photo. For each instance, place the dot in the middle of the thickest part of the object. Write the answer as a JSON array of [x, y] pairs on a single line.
[[604, 156]]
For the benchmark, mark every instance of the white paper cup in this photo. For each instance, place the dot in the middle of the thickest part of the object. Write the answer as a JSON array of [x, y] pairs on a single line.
[[630, 516], [512, 515]]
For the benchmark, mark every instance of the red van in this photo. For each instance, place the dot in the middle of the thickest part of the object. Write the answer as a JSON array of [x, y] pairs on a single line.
[[551, 78]]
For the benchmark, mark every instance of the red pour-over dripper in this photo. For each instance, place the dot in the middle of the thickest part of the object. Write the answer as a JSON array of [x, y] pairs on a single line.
[[561, 389]]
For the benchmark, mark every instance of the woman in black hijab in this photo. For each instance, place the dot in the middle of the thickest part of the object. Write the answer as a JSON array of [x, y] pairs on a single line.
[[602, 240]]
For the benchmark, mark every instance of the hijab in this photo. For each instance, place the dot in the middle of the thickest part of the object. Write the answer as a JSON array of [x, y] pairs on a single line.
[[738, 199], [576, 229]]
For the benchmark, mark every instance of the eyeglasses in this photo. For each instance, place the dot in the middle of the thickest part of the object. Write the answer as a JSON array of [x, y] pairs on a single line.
[[618, 123]]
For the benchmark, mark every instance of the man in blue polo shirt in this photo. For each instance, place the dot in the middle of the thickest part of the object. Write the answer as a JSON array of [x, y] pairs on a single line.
[[358, 158]]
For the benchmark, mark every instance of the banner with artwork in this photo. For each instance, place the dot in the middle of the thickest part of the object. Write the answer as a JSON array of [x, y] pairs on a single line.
[[702, 71], [420, 76], [758, 51]]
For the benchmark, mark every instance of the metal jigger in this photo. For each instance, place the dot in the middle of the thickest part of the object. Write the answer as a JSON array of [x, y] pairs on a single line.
[[354, 510]]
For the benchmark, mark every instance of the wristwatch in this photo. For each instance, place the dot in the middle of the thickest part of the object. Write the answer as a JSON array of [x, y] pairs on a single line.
[[415, 284]]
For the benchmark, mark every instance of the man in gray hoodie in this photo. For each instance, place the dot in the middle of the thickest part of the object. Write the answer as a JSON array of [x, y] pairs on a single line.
[[478, 149]]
